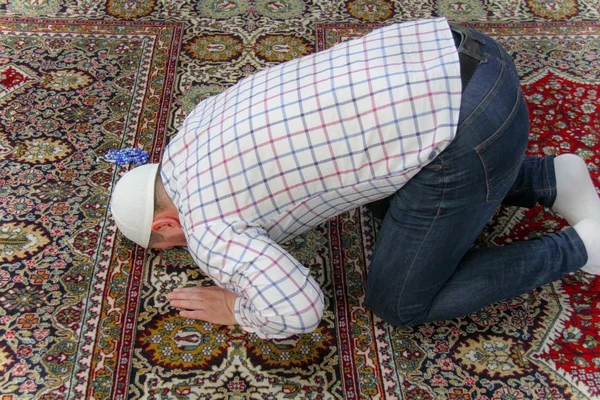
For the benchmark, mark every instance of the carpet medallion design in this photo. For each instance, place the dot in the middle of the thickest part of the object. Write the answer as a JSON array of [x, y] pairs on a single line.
[[70, 92], [83, 312]]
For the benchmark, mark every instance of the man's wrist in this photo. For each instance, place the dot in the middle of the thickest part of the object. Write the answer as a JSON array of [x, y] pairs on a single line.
[[237, 311], [230, 303]]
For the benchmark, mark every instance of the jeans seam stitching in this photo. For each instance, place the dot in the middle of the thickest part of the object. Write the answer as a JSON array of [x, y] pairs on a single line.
[[493, 138], [548, 183], [568, 235], [486, 100], [412, 263]]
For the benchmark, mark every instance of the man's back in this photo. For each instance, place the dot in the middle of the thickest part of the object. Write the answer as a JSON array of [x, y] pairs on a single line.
[[303, 141]]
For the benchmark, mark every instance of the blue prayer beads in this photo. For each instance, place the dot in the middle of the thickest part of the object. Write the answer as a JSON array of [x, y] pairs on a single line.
[[126, 156]]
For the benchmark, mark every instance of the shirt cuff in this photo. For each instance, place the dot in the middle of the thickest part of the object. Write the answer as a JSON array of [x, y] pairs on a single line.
[[239, 315]]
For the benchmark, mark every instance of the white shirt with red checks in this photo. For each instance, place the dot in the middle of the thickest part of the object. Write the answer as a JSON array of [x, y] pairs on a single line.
[[299, 143]]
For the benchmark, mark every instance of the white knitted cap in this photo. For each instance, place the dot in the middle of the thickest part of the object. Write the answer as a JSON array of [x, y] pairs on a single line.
[[132, 203]]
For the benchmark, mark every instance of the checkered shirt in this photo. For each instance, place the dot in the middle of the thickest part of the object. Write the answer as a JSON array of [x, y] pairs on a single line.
[[299, 143]]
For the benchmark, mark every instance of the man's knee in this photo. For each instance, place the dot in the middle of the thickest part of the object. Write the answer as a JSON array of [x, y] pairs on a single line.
[[396, 313]]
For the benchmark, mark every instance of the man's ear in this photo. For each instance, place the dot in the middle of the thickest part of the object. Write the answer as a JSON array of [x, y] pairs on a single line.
[[161, 223]]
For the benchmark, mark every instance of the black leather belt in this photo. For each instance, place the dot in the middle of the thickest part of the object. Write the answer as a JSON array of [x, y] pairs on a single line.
[[469, 52]]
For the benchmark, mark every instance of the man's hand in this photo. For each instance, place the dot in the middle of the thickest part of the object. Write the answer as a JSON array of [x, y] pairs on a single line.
[[211, 304]]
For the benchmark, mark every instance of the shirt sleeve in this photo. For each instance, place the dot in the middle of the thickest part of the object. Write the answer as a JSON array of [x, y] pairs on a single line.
[[277, 297]]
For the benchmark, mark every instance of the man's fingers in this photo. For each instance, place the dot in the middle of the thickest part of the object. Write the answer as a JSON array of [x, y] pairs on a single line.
[[183, 296], [193, 292], [196, 314], [187, 293], [189, 289], [190, 304]]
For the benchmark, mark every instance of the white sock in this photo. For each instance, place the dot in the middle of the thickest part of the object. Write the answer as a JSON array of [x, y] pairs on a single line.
[[576, 196], [589, 232]]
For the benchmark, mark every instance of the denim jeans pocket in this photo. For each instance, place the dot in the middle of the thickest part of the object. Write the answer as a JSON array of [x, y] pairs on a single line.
[[502, 153]]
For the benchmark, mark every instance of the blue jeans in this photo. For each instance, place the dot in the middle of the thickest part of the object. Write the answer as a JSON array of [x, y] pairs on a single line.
[[423, 266]]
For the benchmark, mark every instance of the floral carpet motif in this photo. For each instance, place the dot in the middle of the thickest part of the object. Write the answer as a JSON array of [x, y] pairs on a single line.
[[83, 312]]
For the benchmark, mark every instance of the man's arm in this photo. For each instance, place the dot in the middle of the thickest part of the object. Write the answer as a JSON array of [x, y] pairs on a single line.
[[276, 296]]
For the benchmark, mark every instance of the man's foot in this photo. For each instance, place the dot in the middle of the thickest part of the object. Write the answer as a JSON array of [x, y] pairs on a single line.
[[589, 232], [576, 197]]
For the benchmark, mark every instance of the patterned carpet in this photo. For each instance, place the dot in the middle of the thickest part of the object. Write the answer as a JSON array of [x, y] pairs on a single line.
[[83, 313]]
